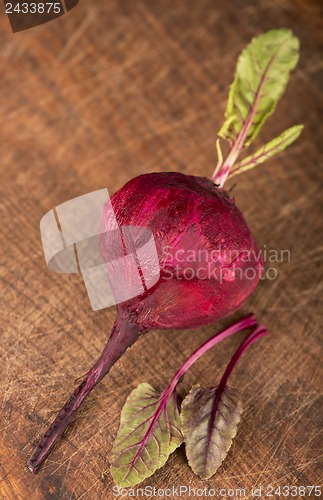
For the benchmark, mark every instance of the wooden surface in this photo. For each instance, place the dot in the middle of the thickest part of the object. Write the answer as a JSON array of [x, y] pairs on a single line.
[[109, 91]]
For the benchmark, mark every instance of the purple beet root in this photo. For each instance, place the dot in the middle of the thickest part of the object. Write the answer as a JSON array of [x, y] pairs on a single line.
[[209, 264], [208, 258]]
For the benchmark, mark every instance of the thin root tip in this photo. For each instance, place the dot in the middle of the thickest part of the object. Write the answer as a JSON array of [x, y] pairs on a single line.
[[31, 467]]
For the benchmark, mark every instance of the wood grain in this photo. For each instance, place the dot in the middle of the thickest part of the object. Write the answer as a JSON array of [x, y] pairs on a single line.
[[106, 92]]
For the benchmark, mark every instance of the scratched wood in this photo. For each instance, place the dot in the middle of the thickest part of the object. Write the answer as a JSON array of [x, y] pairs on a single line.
[[109, 91]]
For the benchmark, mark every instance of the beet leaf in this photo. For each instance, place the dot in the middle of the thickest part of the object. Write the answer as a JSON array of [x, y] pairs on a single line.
[[149, 432], [268, 150], [261, 76], [210, 418]]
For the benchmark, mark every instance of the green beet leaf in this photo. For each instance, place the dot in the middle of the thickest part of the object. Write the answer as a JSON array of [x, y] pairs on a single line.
[[261, 77], [149, 432], [268, 150]]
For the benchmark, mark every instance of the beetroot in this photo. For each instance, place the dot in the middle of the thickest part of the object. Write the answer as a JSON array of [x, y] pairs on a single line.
[[209, 262], [197, 227], [204, 245]]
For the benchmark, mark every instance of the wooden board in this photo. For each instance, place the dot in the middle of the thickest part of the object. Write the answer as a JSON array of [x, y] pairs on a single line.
[[106, 92]]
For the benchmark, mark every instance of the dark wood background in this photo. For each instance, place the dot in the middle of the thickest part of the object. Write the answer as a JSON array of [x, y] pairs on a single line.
[[111, 90]]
